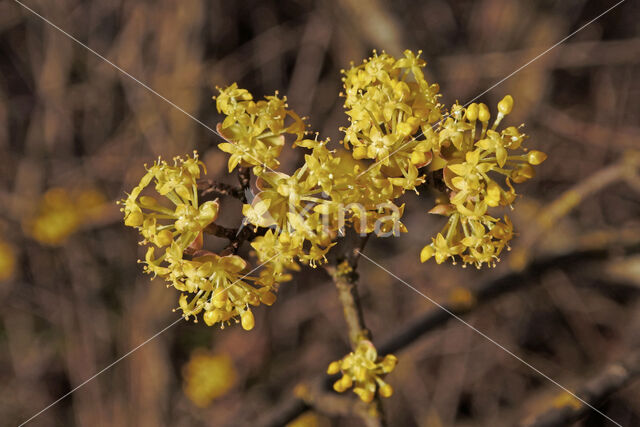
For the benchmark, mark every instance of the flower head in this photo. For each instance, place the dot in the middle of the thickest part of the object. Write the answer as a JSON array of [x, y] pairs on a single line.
[[479, 165], [61, 212], [207, 376], [364, 370], [255, 130]]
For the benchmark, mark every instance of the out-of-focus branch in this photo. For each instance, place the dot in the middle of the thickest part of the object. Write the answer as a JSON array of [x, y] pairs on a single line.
[[567, 55], [332, 404], [589, 133], [625, 169], [481, 295], [566, 409], [504, 284]]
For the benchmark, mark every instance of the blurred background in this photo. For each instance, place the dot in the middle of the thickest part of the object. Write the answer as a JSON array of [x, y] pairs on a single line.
[[75, 133]]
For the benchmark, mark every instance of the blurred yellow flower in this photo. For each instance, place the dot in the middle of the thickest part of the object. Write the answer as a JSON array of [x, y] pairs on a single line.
[[61, 212], [7, 261], [207, 376], [309, 419]]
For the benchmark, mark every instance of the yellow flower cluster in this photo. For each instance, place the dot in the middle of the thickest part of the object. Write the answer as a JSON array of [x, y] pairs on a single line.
[[398, 133], [480, 165], [388, 102], [207, 376], [364, 371], [174, 225], [255, 130], [61, 212]]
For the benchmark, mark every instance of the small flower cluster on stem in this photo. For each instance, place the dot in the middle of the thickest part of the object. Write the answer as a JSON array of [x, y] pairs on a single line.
[[364, 370]]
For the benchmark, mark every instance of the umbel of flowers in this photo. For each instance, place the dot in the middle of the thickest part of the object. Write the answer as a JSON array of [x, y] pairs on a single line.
[[363, 370], [398, 134]]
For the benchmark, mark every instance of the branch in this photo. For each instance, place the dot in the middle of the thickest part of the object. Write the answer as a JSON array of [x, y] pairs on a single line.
[[221, 231], [625, 169], [334, 405], [506, 283], [567, 409], [345, 278], [244, 177], [208, 189]]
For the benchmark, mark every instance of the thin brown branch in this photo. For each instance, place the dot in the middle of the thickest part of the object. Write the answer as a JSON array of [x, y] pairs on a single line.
[[244, 177], [568, 55], [566, 409], [208, 189], [221, 231], [345, 278], [503, 284], [245, 234]]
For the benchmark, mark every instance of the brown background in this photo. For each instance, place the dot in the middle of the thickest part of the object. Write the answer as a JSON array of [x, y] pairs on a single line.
[[67, 118]]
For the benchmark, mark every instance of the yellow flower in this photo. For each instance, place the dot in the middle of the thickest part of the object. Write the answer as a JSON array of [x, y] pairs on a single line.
[[309, 419], [61, 212], [476, 161], [255, 130], [207, 376], [364, 371], [177, 216], [7, 261], [388, 101]]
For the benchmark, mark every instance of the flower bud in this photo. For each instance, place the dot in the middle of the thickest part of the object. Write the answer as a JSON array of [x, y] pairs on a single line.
[[483, 112], [389, 363], [211, 317], [359, 152], [506, 105], [365, 395], [472, 112], [247, 320], [334, 368], [536, 157], [339, 386], [386, 390]]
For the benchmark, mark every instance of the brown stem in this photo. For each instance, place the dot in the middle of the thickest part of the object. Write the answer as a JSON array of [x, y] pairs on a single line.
[[208, 189], [244, 177], [246, 233], [345, 278], [221, 231]]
